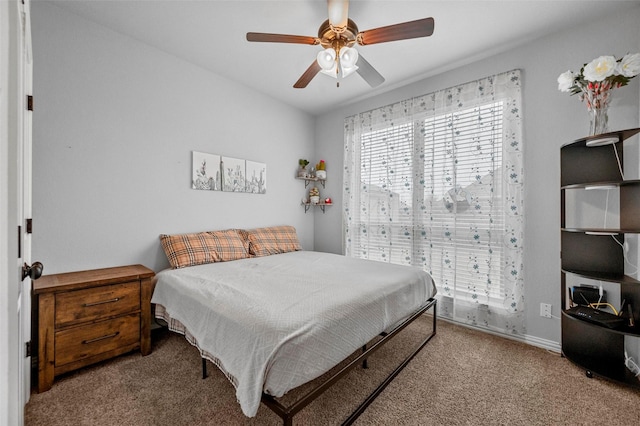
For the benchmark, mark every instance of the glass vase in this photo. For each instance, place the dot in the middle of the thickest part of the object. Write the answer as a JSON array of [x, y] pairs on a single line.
[[599, 120], [597, 96]]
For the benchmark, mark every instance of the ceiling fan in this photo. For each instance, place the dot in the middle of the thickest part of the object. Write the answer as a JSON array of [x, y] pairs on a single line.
[[337, 35]]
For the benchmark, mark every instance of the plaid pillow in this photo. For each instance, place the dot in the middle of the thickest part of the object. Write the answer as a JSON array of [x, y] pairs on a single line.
[[189, 249], [273, 240], [244, 234], [229, 245]]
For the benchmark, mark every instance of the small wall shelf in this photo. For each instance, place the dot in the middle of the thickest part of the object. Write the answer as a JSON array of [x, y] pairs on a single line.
[[308, 180], [307, 206]]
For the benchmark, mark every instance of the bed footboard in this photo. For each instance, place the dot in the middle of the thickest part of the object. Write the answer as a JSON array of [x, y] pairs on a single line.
[[287, 413]]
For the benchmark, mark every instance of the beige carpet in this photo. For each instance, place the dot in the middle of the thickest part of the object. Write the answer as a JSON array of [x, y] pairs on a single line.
[[462, 377]]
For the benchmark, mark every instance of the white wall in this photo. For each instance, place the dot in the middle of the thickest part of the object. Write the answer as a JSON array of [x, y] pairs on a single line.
[[115, 122], [551, 119]]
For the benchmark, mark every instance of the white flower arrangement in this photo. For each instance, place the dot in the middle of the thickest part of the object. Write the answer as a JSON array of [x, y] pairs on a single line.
[[603, 73]]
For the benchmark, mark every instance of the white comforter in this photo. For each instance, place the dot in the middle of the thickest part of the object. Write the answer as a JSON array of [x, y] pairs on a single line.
[[273, 323]]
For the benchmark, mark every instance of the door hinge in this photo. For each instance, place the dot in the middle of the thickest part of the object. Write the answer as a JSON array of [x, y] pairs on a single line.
[[29, 227], [30, 102], [27, 349]]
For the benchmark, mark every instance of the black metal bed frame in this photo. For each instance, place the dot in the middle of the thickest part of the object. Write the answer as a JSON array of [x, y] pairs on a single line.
[[287, 413]]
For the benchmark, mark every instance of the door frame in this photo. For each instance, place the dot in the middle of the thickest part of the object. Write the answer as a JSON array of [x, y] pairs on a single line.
[[5, 264], [15, 154], [25, 65]]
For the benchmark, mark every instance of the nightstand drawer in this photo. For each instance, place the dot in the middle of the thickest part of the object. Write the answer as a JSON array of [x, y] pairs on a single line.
[[95, 303], [82, 342]]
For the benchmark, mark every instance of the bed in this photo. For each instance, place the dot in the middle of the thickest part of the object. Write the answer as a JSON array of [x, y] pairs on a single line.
[[280, 318]]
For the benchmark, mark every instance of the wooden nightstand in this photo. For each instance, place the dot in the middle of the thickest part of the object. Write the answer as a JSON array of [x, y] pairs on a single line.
[[90, 316]]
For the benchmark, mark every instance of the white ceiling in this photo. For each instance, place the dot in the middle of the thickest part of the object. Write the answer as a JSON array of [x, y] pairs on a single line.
[[211, 34]]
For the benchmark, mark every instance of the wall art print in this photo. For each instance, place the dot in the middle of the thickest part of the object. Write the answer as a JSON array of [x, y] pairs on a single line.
[[205, 171], [233, 174], [256, 177]]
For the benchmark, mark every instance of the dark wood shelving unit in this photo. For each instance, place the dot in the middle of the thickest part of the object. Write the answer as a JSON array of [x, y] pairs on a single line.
[[598, 254]]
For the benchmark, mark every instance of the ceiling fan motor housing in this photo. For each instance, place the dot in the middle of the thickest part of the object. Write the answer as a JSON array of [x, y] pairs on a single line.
[[337, 38]]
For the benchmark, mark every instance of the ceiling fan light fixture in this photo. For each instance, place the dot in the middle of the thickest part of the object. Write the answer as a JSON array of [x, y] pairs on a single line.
[[348, 57], [327, 59], [347, 71]]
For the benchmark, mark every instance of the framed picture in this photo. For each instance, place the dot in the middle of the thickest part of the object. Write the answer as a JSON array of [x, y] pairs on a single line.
[[205, 171], [232, 171], [256, 178]]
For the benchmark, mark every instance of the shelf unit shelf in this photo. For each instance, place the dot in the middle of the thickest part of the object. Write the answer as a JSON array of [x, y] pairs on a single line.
[[603, 276], [603, 231], [611, 365], [635, 331], [608, 183], [598, 253]]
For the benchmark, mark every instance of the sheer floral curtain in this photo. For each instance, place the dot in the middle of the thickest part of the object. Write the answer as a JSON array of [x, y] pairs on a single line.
[[436, 181]]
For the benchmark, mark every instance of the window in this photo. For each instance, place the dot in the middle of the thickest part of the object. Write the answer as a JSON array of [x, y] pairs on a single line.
[[437, 184]]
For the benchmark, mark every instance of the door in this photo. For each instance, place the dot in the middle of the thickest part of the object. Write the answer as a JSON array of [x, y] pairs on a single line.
[[15, 198], [15, 204]]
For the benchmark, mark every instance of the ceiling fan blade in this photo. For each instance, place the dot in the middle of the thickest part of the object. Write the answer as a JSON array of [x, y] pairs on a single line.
[[281, 38], [338, 13], [308, 75], [368, 73], [406, 30]]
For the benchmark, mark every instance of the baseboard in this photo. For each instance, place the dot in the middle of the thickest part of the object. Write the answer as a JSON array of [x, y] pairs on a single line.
[[549, 345], [539, 342]]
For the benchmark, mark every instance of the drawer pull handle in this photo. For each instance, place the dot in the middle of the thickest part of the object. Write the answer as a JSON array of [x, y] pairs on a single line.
[[109, 336], [86, 305]]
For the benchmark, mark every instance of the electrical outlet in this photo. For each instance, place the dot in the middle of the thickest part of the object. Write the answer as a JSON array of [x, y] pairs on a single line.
[[545, 310]]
